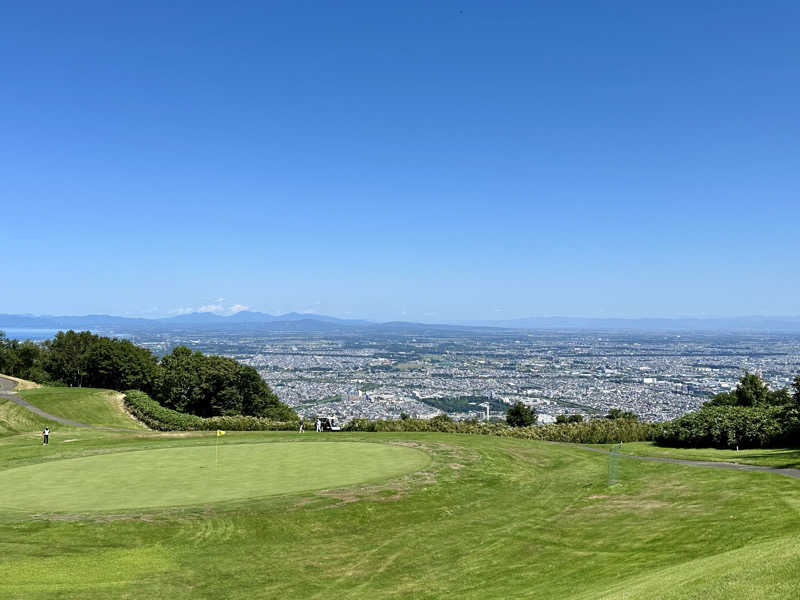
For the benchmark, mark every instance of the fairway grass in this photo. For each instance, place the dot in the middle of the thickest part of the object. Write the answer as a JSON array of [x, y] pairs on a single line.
[[197, 475], [485, 518]]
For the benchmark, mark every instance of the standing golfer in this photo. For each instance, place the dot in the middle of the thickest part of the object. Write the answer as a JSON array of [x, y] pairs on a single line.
[[301, 425], [46, 436], [318, 425]]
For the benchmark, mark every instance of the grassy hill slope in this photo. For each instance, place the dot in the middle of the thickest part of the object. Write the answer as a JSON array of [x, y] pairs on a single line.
[[739, 573], [83, 405], [15, 419]]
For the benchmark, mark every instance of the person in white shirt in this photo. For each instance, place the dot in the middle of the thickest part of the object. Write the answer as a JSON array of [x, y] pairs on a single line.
[[46, 436]]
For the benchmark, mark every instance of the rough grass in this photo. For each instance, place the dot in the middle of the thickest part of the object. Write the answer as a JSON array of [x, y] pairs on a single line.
[[771, 457], [83, 405], [15, 419]]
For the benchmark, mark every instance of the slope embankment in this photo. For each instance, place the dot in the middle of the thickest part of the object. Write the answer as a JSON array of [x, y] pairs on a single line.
[[31, 408]]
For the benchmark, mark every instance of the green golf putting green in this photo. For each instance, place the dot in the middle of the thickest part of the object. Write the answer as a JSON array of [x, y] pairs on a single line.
[[186, 476]]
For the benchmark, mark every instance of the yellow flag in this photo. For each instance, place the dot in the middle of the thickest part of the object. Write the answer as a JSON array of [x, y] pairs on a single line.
[[220, 432]]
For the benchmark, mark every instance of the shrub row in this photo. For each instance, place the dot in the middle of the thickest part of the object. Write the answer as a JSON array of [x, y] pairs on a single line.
[[161, 418], [732, 426], [595, 431]]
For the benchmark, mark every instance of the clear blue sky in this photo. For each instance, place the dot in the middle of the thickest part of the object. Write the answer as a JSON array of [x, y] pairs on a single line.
[[411, 160]]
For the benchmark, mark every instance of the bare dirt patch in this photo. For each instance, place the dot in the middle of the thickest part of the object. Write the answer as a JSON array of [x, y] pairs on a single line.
[[118, 401]]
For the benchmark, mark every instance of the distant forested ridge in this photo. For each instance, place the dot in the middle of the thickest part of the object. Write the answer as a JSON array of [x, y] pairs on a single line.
[[183, 380]]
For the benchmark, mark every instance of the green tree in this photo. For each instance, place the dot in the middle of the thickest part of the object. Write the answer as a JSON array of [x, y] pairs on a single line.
[[22, 359], [618, 413], [722, 399], [752, 391], [519, 415], [5, 354], [120, 365], [210, 386], [179, 384], [68, 356], [569, 418], [781, 397]]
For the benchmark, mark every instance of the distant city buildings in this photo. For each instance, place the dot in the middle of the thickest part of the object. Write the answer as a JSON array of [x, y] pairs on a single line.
[[370, 374]]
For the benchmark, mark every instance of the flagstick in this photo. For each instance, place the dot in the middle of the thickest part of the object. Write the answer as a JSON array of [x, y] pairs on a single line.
[[216, 453]]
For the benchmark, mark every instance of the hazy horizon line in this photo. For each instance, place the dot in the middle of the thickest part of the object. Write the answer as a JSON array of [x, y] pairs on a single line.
[[407, 318]]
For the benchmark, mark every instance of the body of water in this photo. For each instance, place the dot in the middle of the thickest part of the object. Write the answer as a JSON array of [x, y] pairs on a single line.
[[38, 335], [35, 335]]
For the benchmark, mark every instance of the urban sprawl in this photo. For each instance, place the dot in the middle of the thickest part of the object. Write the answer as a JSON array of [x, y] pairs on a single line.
[[376, 374]]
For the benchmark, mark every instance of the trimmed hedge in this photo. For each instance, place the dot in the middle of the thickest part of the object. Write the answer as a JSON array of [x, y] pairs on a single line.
[[594, 431], [161, 418]]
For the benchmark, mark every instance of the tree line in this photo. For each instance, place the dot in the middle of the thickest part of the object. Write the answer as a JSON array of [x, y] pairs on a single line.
[[183, 380]]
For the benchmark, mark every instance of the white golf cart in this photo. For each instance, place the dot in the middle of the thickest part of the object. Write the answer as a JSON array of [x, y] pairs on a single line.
[[329, 424]]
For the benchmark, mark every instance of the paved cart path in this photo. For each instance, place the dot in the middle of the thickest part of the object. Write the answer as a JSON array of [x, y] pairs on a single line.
[[7, 391], [702, 463]]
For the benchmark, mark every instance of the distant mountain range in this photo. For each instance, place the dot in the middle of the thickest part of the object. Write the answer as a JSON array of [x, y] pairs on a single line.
[[201, 320], [752, 323], [248, 316], [310, 322]]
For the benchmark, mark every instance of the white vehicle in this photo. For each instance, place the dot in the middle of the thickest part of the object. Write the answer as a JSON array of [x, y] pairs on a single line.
[[329, 424]]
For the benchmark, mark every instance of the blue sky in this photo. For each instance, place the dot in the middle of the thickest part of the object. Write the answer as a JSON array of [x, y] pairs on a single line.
[[408, 160]]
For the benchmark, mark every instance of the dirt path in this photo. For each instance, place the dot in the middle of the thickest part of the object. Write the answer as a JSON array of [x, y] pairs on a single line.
[[7, 391], [702, 463]]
